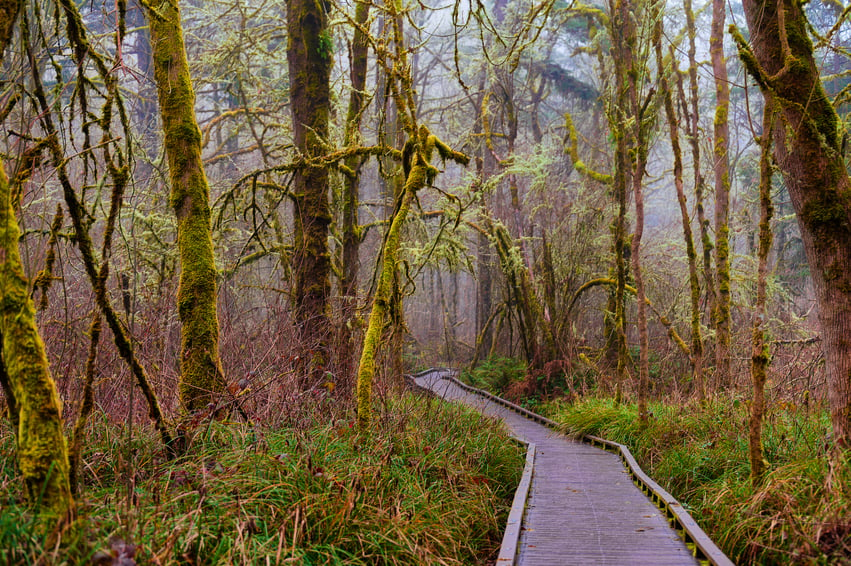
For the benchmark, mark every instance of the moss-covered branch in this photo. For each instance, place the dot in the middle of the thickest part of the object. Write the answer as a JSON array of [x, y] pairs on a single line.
[[571, 148]]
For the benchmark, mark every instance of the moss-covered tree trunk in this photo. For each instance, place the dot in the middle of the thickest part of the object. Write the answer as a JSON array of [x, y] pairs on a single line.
[[622, 32], [635, 70], [309, 51], [808, 150], [420, 173], [32, 398], [351, 234], [620, 187], [381, 303], [42, 449], [34, 402], [722, 195], [201, 379], [759, 350], [696, 353], [484, 263], [693, 125]]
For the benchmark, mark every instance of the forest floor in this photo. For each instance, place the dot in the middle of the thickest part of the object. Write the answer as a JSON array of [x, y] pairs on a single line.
[[800, 514], [431, 485]]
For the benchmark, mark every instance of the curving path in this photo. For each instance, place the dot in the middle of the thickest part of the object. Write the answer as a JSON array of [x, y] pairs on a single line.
[[583, 507]]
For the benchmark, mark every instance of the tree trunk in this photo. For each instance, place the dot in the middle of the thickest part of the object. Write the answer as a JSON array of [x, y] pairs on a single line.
[[722, 196], [622, 36], [201, 379], [33, 402], [42, 450], [691, 254], [382, 305], [809, 153], [639, 164], [351, 234], [484, 262], [759, 352], [694, 139], [309, 56]]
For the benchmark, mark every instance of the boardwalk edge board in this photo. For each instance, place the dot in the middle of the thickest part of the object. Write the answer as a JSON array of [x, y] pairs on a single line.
[[703, 548], [514, 524]]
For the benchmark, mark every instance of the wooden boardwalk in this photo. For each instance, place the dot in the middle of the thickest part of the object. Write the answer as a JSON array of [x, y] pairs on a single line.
[[583, 507]]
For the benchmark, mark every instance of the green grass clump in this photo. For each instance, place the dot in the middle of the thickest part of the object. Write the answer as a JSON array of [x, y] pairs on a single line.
[[800, 514], [495, 374], [431, 485]]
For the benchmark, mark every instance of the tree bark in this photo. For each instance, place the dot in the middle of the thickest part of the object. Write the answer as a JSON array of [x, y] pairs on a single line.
[[722, 196], [201, 379], [808, 150], [351, 234], [759, 352], [32, 397], [309, 57], [688, 237]]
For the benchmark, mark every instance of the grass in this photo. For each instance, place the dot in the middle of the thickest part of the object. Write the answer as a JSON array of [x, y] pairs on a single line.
[[495, 374], [432, 485], [801, 513]]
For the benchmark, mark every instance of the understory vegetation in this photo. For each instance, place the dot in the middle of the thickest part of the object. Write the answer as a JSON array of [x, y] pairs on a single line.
[[800, 513], [432, 485]]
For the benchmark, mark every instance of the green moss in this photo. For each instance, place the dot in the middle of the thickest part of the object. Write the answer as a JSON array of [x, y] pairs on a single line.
[[42, 449], [824, 214], [201, 378], [383, 303]]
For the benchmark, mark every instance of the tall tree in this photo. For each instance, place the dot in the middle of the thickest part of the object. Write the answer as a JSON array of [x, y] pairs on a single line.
[[351, 235], [31, 393], [201, 378], [696, 353], [419, 172], [632, 73], [309, 51], [808, 150], [693, 129], [759, 350], [722, 194]]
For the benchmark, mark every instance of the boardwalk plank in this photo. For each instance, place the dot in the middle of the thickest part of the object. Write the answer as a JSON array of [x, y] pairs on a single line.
[[583, 508]]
